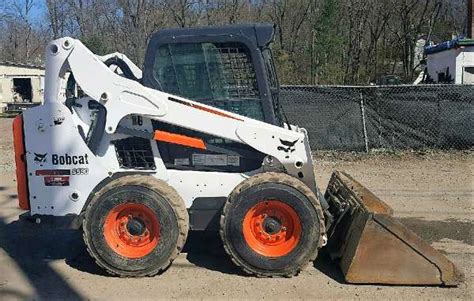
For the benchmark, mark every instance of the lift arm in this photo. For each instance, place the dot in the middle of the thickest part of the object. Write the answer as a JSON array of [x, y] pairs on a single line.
[[121, 97]]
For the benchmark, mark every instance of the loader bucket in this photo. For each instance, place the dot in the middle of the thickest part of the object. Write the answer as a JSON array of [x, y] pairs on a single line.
[[372, 247]]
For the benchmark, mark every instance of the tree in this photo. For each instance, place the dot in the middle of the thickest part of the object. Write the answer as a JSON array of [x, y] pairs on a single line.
[[325, 44], [316, 42]]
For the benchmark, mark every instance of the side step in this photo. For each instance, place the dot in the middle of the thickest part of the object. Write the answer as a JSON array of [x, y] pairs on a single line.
[[373, 247]]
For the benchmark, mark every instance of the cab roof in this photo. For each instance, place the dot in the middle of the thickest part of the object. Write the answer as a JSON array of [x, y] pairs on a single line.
[[260, 34]]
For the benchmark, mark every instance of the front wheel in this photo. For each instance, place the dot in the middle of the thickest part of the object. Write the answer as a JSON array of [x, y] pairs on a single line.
[[272, 225], [135, 226]]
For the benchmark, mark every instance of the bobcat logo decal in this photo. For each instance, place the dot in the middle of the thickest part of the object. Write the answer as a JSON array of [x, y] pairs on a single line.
[[288, 146], [40, 158]]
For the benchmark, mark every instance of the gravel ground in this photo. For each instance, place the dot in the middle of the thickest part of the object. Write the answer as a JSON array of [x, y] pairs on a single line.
[[431, 192]]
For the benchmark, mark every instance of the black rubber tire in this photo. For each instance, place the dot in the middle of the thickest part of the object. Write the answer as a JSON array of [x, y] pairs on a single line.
[[294, 193], [157, 196]]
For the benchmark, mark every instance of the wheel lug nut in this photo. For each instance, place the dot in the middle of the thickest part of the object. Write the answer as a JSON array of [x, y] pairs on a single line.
[[264, 215]]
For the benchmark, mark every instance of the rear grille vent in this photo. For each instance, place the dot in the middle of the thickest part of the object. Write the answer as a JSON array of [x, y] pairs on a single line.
[[135, 153]]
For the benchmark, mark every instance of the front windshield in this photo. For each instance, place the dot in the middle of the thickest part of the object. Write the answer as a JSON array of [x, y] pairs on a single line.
[[217, 74]]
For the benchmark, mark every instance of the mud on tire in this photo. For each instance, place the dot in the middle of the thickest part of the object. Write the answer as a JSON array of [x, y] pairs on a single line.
[[272, 225], [135, 226]]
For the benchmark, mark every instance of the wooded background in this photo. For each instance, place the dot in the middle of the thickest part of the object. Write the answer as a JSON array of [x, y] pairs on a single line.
[[316, 42]]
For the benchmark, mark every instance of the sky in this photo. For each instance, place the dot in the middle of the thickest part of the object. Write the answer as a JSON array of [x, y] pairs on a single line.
[[38, 10], [36, 14]]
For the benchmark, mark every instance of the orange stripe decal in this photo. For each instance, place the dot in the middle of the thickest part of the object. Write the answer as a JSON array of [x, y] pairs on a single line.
[[179, 139], [215, 112], [21, 179], [203, 108]]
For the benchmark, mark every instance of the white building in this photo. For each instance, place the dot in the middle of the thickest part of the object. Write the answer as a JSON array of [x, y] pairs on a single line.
[[20, 83], [451, 62]]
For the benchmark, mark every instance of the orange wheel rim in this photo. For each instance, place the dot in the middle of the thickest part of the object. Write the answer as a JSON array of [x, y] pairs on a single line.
[[132, 230], [272, 228]]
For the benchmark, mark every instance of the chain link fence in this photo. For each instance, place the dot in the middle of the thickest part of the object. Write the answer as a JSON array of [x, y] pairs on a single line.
[[382, 117]]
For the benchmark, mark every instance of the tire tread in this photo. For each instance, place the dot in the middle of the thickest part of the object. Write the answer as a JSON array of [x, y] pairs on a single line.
[[265, 178], [169, 194]]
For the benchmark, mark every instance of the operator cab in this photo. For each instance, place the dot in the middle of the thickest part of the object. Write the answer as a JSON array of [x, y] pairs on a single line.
[[227, 67]]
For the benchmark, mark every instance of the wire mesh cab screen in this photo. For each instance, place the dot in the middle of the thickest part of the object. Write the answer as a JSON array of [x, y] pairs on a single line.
[[217, 74]]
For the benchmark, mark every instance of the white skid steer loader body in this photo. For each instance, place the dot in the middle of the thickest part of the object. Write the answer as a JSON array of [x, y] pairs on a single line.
[[63, 171]]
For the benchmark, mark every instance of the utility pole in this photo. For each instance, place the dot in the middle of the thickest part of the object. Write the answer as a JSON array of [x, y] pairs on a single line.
[[470, 17]]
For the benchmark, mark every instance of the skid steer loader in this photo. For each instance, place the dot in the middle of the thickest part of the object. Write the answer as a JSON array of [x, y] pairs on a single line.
[[197, 141]]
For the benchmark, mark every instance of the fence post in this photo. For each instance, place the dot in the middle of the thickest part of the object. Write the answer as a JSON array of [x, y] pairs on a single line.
[[364, 126]]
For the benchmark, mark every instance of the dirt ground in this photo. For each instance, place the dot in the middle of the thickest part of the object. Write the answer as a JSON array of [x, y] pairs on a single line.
[[432, 193]]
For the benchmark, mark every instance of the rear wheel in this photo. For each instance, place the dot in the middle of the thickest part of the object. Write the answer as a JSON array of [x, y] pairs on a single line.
[[272, 225], [135, 226]]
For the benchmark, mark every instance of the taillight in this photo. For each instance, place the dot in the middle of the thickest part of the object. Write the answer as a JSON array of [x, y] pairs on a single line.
[[20, 161]]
